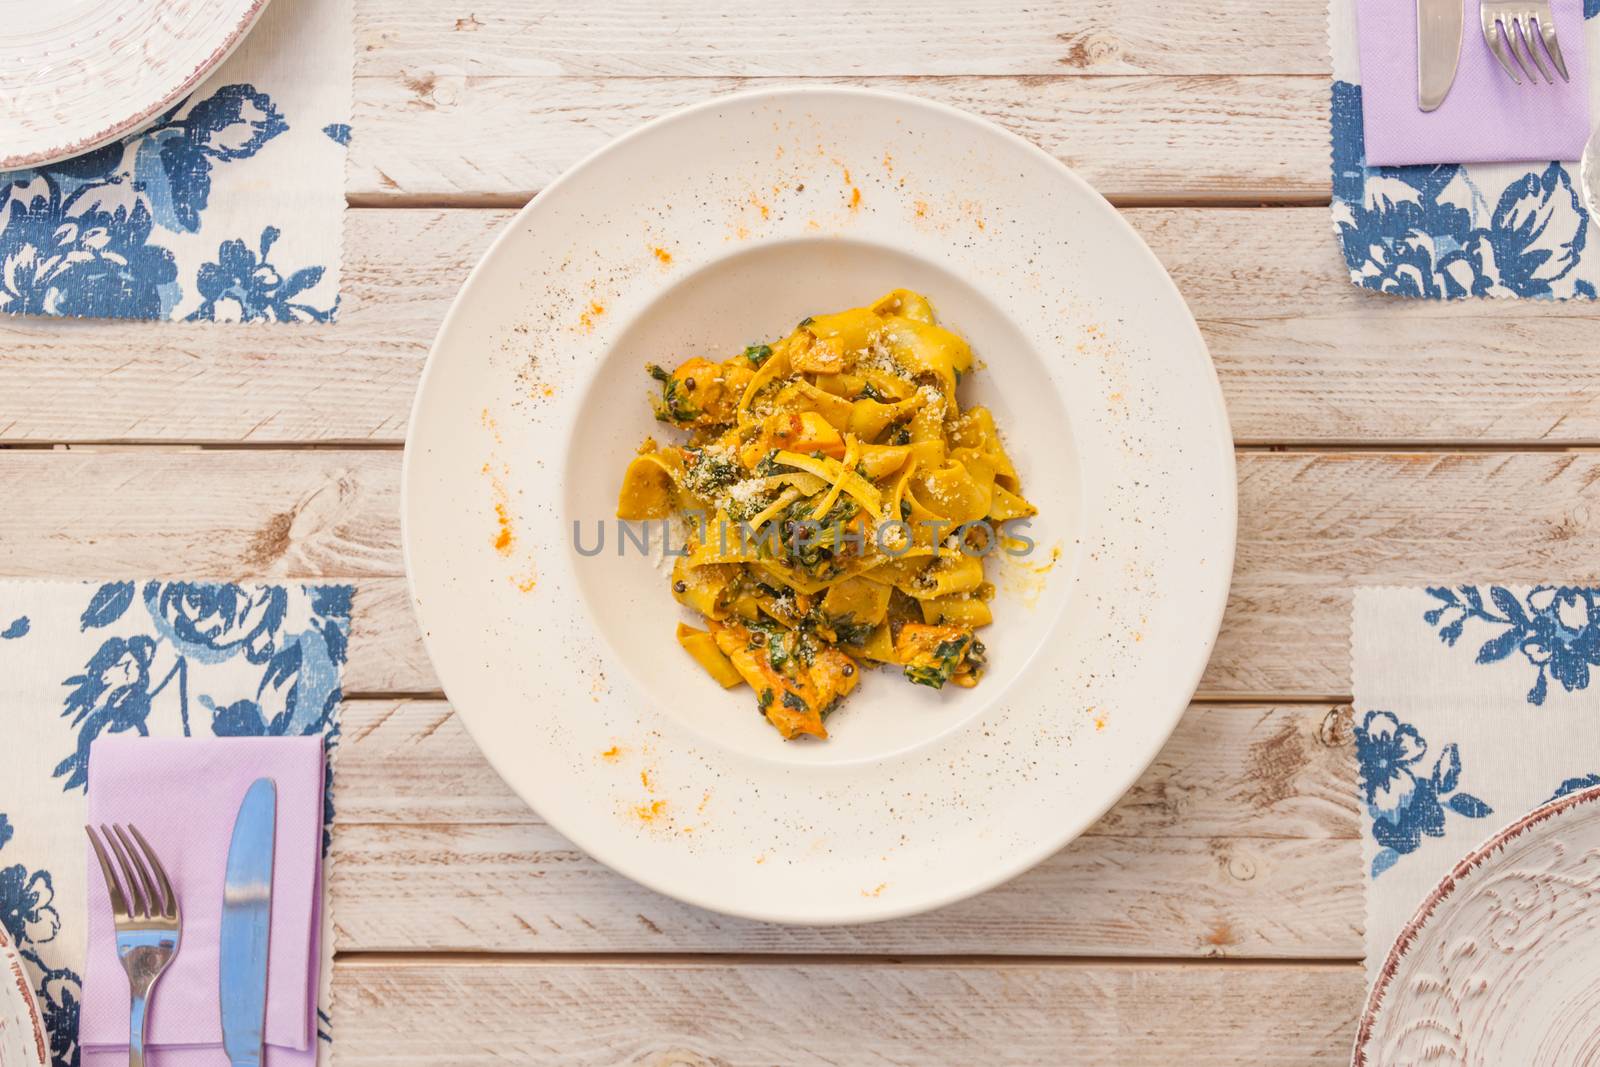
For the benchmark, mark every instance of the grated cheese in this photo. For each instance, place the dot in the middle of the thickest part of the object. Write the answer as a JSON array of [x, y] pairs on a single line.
[[877, 356], [743, 496], [747, 491]]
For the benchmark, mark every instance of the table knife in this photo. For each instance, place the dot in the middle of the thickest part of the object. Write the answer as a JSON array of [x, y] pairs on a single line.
[[1438, 50], [246, 920]]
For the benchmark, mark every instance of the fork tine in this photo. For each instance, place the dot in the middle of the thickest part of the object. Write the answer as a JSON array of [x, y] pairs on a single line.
[[1525, 34], [1494, 33], [169, 907], [1513, 31], [1547, 33], [138, 911], [157, 906], [119, 905]]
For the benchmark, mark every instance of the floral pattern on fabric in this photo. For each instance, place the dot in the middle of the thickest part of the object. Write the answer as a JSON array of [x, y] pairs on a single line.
[[1556, 629], [31, 921], [1405, 798], [1454, 666], [1449, 231], [110, 234], [152, 658], [1575, 785], [190, 626]]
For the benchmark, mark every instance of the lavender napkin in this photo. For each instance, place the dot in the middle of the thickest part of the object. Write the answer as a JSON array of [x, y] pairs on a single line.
[[1486, 117], [183, 795]]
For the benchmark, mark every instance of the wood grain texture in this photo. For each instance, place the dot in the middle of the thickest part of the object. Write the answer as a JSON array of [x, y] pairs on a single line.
[[215, 514], [1303, 355], [1245, 771], [722, 1014], [1311, 527], [431, 136], [691, 38], [220, 383], [1187, 101], [1239, 841]]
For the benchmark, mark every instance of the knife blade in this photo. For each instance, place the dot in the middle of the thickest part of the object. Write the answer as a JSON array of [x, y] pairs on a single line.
[[1438, 50], [246, 921]]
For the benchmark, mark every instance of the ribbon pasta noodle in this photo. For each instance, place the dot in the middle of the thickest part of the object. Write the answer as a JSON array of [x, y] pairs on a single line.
[[840, 505]]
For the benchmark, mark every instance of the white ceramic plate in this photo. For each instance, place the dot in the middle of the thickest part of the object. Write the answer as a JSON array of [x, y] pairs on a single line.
[[77, 74], [725, 224], [1498, 965], [23, 1042]]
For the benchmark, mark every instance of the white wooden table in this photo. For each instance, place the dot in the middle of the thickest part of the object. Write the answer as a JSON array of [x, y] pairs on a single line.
[[1214, 916]]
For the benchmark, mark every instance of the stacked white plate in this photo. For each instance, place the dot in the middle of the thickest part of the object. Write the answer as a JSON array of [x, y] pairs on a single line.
[[23, 1042], [78, 74]]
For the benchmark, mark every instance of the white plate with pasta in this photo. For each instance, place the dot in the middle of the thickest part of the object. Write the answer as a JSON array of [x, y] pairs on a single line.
[[930, 502]]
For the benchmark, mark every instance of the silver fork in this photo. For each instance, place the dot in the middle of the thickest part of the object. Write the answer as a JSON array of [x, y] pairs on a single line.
[[147, 931], [1508, 22]]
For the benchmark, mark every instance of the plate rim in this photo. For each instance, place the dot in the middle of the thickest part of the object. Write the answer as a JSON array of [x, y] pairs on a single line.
[[136, 122], [1022, 860], [1440, 894], [11, 957]]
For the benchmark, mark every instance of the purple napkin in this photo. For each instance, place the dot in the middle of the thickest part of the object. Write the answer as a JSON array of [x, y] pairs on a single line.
[[1486, 117], [183, 795]]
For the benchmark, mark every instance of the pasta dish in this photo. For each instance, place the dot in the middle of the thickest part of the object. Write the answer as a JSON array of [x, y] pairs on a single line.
[[838, 507]]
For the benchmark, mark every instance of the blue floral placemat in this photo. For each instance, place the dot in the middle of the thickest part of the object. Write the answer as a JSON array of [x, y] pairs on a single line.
[[229, 208], [1454, 230], [78, 661], [1473, 706]]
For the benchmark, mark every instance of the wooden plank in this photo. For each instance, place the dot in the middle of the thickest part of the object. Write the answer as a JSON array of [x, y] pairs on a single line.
[[1303, 355], [159, 512], [1236, 771], [1312, 526], [522, 888], [224, 383], [732, 1014], [1239, 841], [692, 38], [440, 135], [386, 653]]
